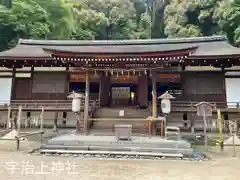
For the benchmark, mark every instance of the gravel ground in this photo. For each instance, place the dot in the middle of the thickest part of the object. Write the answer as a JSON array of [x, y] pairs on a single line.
[[20, 165]]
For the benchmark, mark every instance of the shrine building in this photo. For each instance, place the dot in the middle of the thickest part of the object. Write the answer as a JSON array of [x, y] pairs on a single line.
[[124, 73]]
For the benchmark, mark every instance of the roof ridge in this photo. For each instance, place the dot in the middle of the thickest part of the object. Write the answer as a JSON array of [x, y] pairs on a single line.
[[122, 42]]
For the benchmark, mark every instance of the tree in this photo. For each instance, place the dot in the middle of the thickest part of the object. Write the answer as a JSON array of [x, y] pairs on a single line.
[[15, 23], [89, 24], [60, 18], [186, 18], [230, 21], [121, 17]]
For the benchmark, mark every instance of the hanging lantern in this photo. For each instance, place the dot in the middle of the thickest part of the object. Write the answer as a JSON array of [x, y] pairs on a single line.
[[76, 101], [166, 102], [95, 73]]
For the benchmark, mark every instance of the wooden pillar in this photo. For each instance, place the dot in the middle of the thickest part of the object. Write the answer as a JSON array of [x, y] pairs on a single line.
[[154, 97], [13, 90], [104, 89], [31, 85], [142, 92], [66, 90], [86, 105], [154, 103]]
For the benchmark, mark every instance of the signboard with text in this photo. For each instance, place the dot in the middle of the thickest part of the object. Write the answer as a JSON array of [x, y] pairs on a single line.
[[80, 77], [169, 77]]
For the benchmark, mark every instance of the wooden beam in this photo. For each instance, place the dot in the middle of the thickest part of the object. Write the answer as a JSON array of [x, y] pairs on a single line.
[[86, 105], [102, 55]]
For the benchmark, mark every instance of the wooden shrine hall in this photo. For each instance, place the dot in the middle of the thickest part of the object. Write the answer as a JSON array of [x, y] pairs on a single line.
[[121, 73]]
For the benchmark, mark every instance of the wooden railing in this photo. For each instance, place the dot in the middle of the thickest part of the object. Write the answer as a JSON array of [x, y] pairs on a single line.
[[93, 104], [47, 104], [190, 105]]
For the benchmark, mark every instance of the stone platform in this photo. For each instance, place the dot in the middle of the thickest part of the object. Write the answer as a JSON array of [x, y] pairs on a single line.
[[139, 145]]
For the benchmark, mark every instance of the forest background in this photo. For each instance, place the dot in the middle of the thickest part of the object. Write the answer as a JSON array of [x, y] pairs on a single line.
[[117, 19]]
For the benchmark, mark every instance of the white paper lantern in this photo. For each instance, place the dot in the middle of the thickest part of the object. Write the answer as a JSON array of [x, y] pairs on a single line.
[[166, 106], [76, 104], [76, 101]]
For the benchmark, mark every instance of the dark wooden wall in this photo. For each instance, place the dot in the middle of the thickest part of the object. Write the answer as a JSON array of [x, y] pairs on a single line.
[[41, 86], [203, 86], [49, 85], [23, 89]]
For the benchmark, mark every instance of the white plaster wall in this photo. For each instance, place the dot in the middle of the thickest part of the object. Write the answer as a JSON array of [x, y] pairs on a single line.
[[5, 90], [232, 91]]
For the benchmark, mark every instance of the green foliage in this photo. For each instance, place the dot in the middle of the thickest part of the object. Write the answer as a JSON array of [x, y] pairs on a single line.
[[231, 21], [117, 19], [186, 18]]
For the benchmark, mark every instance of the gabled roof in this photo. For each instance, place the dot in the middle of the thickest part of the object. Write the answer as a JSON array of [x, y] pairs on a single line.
[[24, 51], [205, 47]]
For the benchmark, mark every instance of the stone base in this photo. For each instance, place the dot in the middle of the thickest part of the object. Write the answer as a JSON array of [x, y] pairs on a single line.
[[110, 143]]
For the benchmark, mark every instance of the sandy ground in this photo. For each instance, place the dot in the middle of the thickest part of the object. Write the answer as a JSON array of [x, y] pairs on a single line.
[[18, 165]]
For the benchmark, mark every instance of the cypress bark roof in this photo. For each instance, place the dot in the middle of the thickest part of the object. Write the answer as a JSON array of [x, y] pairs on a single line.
[[206, 47]]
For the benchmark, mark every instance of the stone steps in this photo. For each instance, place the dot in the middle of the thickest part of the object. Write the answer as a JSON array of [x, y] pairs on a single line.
[[129, 112]]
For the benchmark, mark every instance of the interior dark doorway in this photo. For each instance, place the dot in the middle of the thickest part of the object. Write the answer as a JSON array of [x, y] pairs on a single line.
[[80, 88], [123, 94], [172, 88]]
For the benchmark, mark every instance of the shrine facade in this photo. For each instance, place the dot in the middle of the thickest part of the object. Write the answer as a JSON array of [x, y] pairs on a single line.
[[120, 72]]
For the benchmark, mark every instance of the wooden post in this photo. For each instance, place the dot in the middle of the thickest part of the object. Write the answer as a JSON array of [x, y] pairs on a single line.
[[19, 120], [192, 124], [205, 128], [18, 143], [41, 125], [67, 82], [154, 97], [78, 124], [55, 121], [8, 118], [154, 104], [13, 89], [86, 105]]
